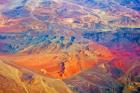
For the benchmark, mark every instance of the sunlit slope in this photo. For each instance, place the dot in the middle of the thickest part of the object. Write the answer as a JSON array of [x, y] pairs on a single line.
[[23, 81]]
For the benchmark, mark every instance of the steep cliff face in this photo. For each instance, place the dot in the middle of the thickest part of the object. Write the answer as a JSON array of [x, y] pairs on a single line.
[[13, 80]]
